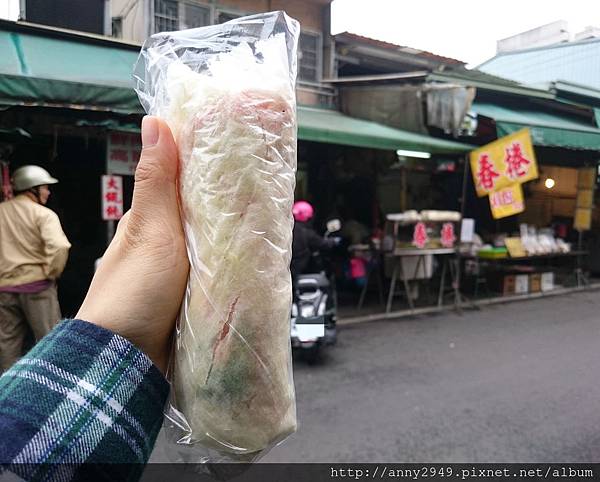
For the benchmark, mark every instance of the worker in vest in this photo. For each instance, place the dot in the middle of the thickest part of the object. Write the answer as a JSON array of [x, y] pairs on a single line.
[[33, 254]]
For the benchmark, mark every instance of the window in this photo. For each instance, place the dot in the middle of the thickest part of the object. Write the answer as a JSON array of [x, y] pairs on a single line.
[[223, 17], [166, 15], [195, 16], [309, 57], [178, 15], [117, 27]]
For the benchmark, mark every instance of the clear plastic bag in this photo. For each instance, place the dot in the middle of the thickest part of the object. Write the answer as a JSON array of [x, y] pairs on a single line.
[[228, 94]]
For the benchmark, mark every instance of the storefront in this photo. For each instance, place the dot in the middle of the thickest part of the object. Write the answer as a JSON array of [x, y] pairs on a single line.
[[553, 236], [80, 118], [549, 241], [73, 95]]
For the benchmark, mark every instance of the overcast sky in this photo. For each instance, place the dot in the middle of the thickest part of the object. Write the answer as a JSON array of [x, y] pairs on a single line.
[[462, 29], [9, 9]]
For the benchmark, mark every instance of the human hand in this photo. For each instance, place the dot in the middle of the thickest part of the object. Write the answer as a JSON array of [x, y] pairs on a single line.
[[138, 287]]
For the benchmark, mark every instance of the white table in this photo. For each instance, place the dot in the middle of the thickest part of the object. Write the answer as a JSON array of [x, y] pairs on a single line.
[[400, 253]]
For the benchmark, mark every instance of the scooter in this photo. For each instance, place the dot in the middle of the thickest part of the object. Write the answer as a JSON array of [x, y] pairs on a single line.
[[314, 308]]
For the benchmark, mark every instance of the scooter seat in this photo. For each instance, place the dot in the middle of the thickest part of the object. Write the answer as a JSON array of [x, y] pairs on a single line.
[[313, 278]]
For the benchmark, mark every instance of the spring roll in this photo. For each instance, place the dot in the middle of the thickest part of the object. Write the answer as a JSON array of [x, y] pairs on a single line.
[[237, 144]]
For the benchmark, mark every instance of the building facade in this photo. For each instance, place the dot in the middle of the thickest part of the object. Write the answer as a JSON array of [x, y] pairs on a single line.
[[547, 54], [135, 20]]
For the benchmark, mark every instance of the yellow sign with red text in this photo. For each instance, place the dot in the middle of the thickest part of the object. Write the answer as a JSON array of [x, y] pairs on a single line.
[[502, 163], [507, 201]]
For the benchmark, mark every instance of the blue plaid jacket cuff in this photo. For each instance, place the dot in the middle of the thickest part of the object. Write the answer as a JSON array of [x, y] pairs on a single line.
[[83, 395]]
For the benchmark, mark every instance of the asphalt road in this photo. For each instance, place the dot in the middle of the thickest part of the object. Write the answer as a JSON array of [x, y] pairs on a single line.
[[510, 383]]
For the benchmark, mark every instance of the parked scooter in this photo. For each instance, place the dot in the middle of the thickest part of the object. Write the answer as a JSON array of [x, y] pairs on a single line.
[[314, 307]]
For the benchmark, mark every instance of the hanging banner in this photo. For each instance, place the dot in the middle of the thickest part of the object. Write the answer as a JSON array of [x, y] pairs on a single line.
[[504, 162], [112, 198], [584, 204], [447, 235], [420, 238], [122, 152], [583, 219], [507, 201]]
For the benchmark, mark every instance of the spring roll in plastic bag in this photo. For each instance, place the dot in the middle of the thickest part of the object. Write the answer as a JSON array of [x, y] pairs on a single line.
[[228, 94]]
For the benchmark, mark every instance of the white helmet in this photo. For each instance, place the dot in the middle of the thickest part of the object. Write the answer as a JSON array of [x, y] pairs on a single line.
[[27, 177]]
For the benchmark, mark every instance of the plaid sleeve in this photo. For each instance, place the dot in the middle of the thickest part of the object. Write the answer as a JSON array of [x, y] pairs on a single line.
[[82, 395]]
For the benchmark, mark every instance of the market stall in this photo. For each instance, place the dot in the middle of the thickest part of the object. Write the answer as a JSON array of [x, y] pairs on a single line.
[[413, 244], [525, 257]]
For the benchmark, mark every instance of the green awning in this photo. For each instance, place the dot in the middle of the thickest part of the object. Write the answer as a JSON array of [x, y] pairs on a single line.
[[43, 68], [330, 126], [547, 129], [39, 69], [322, 125]]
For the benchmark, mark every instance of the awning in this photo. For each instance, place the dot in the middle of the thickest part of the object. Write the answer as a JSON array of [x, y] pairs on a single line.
[[547, 129], [41, 68], [322, 125], [330, 126]]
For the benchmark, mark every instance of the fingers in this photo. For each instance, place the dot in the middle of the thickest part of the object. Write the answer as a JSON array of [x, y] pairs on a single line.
[[155, 190]]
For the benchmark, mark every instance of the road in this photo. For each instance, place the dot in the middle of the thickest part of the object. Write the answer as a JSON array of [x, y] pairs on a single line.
[[511, 383]]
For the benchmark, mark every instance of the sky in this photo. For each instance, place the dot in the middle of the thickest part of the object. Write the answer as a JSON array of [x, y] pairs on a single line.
[[9, 9], [462, 29]]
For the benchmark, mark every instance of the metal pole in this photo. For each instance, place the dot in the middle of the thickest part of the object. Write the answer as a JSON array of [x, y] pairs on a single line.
[[456, 282], [110, 231], [404, 188]]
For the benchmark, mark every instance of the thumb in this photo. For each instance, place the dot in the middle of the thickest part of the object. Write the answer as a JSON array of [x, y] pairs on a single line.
[[155, 189]]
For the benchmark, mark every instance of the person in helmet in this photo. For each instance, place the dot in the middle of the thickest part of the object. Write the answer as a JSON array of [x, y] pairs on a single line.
[[305, 240], [33, 254]]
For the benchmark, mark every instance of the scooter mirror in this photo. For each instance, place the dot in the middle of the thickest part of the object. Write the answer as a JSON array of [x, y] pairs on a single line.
[[334, 225]]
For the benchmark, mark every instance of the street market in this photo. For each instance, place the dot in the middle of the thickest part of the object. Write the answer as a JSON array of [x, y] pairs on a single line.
[[198, 197]]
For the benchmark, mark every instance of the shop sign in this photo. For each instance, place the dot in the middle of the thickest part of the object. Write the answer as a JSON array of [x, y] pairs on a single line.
[[583, 219], [122, 152], [584, 203], [447, 235], [112, 198], [420, 237], [507, 202], [504, 162]]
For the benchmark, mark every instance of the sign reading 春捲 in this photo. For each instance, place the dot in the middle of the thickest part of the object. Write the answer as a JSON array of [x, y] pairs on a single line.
[[499, 169], [502, 163]]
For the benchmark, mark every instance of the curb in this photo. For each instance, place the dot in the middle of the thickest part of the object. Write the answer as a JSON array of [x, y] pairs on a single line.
[[470, 305]]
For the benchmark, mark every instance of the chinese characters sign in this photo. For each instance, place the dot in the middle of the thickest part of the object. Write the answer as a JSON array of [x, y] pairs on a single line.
[[112, 198], [584, 205], [420, 237], [507, 201], [447, 235], [122, 152], [504, 162]]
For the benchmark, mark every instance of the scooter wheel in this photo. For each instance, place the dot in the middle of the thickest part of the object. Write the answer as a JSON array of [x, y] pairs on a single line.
[[312, 355]]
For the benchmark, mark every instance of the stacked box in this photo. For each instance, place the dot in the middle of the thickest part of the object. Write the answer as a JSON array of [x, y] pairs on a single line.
[[535, 282], [547, 281], [521, 284], [508, 284]]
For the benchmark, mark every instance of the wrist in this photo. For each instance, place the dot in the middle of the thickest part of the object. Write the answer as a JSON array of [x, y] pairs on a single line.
[[157, 351]]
